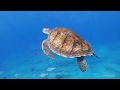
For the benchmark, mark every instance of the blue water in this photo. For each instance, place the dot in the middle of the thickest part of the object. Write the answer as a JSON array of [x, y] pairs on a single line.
[[21, 37]]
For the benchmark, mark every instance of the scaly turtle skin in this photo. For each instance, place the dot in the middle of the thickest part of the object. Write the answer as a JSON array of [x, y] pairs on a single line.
[[66, 43]]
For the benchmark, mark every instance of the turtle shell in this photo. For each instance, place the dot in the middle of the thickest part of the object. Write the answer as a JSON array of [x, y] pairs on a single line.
[[66, 43]]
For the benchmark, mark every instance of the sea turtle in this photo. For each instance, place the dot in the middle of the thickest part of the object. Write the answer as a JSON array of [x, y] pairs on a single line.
[[66, 43]]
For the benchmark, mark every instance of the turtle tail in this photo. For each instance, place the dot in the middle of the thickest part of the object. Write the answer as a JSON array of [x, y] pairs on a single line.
[[95, 55]]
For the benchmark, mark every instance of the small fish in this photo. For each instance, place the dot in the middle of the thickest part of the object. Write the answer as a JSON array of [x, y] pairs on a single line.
[[51, 68], [43, 74]]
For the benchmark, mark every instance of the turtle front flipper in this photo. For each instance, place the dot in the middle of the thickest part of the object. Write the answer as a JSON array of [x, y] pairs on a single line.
[[82, 63], [46, 49]]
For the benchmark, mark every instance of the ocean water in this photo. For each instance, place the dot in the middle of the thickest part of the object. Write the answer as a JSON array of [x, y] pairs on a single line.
[[21, 36]]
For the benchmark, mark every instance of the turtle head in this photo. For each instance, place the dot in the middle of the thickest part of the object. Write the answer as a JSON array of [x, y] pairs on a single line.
[[46, 30]]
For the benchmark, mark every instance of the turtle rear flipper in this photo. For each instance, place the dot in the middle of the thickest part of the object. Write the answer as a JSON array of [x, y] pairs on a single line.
[[82, 63], [46, 49]]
